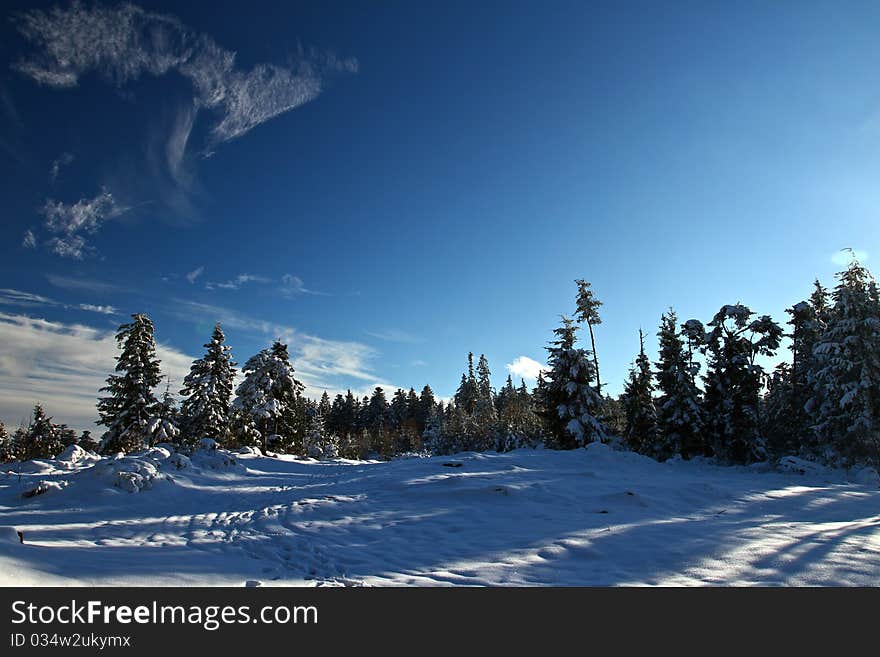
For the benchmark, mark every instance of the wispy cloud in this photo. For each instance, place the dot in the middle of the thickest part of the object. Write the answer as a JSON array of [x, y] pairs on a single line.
[[194, 274], [237, 282], [62, 366], [87, 284], [294, 285], [104, 310], [524, 367], [418, 362], [57, 164], [395, 335], [29, 241], [69, 222], [9, 297], [844, 257], [125, 42]]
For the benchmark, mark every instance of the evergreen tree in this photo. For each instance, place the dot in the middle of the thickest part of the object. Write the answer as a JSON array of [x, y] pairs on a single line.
[[164, 426], [679, 413], [427, 405], [845, 402], [519, 424], [130, 406], [88, 442], [467, 393], [42, 438], [485, 416], [207, 391], [7, 449], [376, 421], [571, 404], [588, 311], [638, 399], [267, 397], [734, 381]]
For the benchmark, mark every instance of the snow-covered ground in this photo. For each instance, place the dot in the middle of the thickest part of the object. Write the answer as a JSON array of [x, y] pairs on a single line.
[[587, 517]]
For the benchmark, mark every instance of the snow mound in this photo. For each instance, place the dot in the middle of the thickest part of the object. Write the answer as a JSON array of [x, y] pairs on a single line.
[[795, 465], [9, 535], [130, 473], [250, 451], [73, 455], [179, 461], [208, 444], [215, 459], [867, 476], [43, 487]]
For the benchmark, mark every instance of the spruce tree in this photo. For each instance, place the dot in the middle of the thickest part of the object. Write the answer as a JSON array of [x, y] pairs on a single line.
[[845, 402], [638, 399], [734, 381], [485, 416], [7, 449], [130, 406], [207, 391], [268, 395], [571, 403], [679, 414], [42, 438], [588, 311]]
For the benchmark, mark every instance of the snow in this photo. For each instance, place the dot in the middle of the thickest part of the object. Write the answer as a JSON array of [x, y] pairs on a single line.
[[592, 516]]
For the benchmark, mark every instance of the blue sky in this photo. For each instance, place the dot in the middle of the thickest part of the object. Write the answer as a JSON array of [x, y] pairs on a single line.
[[390, 187]]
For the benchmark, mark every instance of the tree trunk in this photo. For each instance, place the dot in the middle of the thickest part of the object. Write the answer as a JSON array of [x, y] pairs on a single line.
[[595, 359]]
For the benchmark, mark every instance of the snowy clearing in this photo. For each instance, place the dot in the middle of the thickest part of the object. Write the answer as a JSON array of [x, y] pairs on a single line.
[[590, 516]]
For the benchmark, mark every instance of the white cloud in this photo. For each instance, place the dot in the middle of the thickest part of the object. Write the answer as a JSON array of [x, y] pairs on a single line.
[[30, 240], [62, 161], [844, 257], [293, 285], [61, 366], [237, 282], [124, 42], [18, 298], [194, 274], [9, 297], [87, 284], [524, 367], [92, 308], [70, 221], [394, 335]]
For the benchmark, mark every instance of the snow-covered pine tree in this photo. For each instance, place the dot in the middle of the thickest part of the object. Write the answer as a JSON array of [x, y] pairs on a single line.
[[785, 419], [638, 400], [519, 424], [679, 413], [318, 442], [207, 392], [42, 438], [5, 444], [130, 406], [588, 311], [269, 391], [845, 402], [571, 403], [734, 381], [165, 425], [485, 416]]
